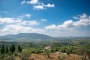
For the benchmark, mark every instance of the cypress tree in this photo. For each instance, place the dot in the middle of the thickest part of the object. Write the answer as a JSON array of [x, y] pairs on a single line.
[[2, 49], [19, 49], [7, 50], [12, 48]]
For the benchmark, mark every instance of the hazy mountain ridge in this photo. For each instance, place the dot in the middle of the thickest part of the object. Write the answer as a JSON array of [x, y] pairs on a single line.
[[22, 36]]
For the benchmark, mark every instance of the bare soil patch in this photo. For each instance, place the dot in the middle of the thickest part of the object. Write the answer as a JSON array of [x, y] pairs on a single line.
[[54, 56]]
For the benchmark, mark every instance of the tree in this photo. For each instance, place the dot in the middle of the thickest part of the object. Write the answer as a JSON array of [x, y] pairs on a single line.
[[68, 51], [2, 49], [19, 49], [6, 50], [12, 48], [88, 53], [46, 52]]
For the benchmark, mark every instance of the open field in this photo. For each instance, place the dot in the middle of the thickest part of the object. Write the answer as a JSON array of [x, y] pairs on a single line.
[[55, 56]]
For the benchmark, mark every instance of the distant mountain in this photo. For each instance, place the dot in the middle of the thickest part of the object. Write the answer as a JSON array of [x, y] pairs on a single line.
[[26, 36]]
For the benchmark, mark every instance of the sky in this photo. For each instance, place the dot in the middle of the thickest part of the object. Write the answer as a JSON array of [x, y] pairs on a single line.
[[57, 18]]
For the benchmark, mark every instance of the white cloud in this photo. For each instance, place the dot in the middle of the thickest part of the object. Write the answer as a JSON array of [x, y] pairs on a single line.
[[38, 4], [27, 15], [83, 16], [39, 7], [33, 22], [68, 24], [82, 22], [67, 33], [18, 21], [21, 29], [43, 20], [53, 26], [76, 17], [89, 17], [49, 5], [23, 2], [32, 2], [9, 20], [67, 28], [6, 20], [42, 6], [23, 16]]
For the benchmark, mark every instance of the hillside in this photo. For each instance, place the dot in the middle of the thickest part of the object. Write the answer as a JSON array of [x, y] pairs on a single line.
[[26, 36]]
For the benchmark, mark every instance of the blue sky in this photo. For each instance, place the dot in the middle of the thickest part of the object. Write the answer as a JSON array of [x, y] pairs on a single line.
[[51, 17]]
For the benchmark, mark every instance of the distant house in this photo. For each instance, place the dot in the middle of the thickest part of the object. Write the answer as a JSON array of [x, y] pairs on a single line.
[[48, 47]]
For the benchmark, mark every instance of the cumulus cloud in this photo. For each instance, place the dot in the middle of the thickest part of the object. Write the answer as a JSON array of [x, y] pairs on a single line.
[[83, 16], [18, 21], [43, 6], [76, 17], [39, 7], [67, 33], [38, 4], [6, 20], [21, 29], [18, 25], [30, 2], [33, 22], [25, 15], [49, 5], [53, 26], [67, 28], [84, 21]]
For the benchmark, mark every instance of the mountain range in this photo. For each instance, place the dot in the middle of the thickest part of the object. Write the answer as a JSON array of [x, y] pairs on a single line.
[[26, 36]]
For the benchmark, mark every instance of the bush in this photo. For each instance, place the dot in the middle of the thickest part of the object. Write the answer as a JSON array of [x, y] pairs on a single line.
[[25, 55], [61, 58], [19, 49], [46, 53], [52, 50]]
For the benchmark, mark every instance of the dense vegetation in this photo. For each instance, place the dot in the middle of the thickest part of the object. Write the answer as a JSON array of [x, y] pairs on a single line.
[[80, 46]]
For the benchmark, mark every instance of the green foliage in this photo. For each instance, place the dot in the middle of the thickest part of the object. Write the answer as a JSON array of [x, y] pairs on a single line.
[[56, 49], [12, 48], [88, 52], [38, 51], [19, 49], [68, 52], [63, 49], [25, 55], [2, 49], [7, 50], [52, 50], [61, 58], [46, 53], [70, 46]]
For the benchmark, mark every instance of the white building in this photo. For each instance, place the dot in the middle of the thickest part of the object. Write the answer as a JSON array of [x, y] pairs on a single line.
[[48, 47]]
